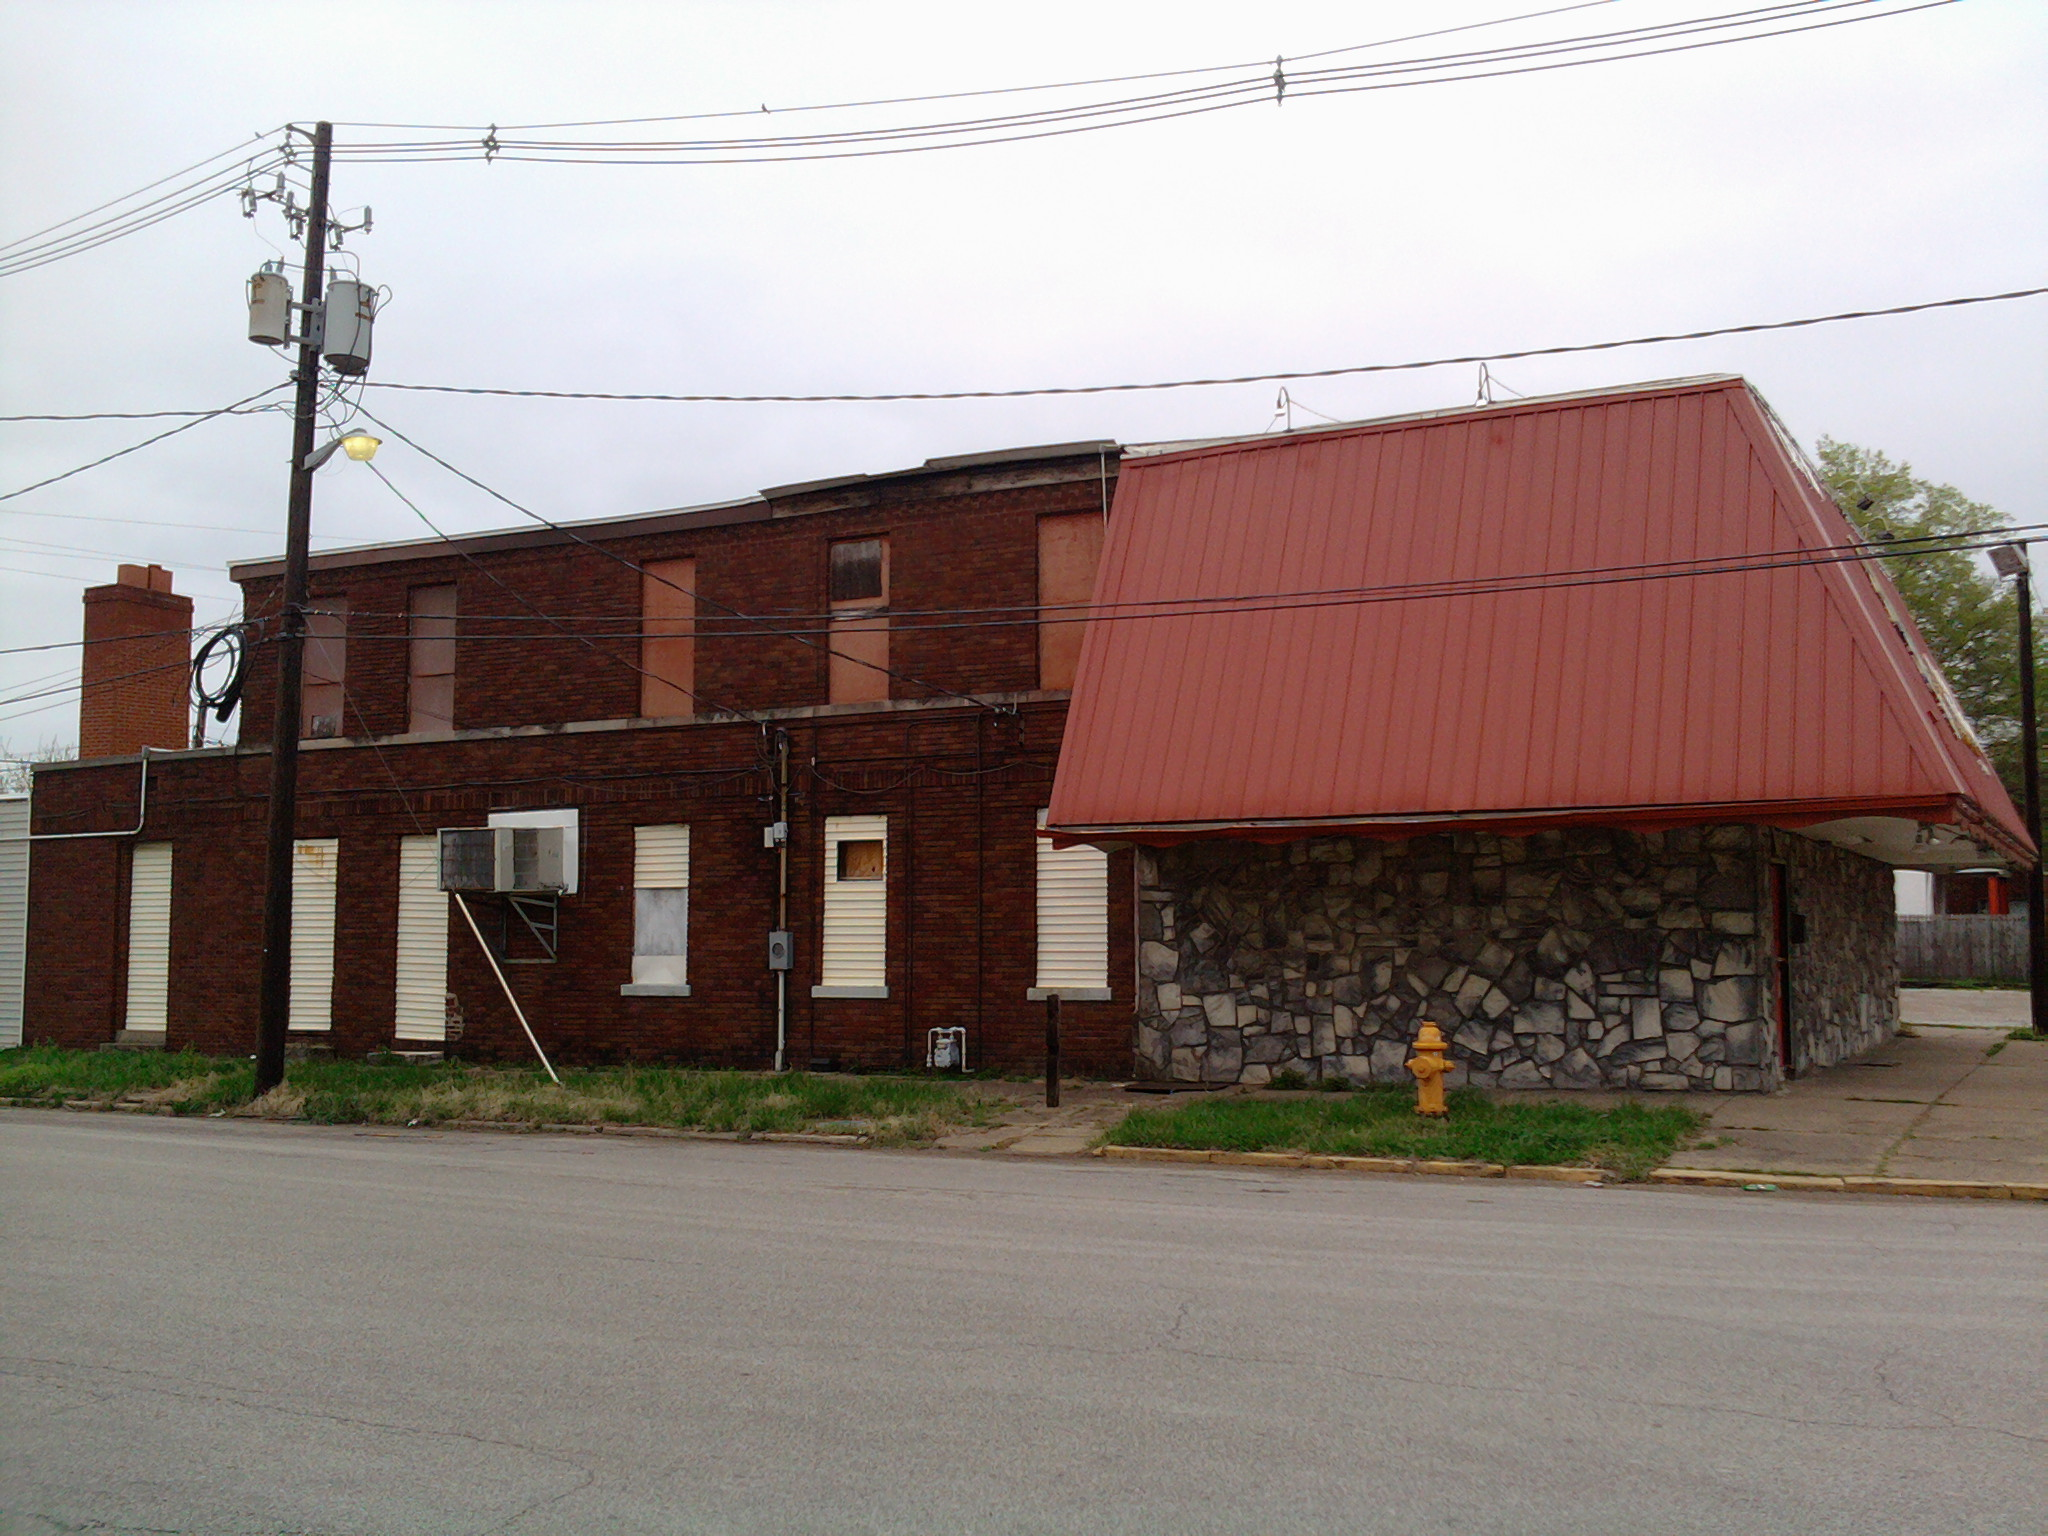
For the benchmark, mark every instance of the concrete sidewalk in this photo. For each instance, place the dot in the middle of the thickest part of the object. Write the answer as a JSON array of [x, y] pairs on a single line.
[[1954, 1102], [1940, 1103]]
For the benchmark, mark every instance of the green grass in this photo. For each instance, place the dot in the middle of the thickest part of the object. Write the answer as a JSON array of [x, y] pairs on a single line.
[[893, 1111], [1628, 1140]]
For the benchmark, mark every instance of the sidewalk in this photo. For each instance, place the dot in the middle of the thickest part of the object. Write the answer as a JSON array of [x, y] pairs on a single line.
[[1944, 1102]]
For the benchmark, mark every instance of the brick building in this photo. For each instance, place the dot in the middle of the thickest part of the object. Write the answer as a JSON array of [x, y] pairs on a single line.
[[638, 683]]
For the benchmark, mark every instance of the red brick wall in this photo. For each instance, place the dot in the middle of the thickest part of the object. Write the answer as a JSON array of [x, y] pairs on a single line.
[[948, 549], [960, 787]]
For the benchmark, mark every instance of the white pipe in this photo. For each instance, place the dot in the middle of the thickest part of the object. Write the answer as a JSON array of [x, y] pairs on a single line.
[[495, 971], [141, 815]]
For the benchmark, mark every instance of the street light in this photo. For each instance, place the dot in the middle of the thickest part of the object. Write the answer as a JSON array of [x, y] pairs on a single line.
[[2011, 560], [359, 446]]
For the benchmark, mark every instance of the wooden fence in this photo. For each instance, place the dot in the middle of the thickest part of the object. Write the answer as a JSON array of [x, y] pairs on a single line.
[[1963, 948]]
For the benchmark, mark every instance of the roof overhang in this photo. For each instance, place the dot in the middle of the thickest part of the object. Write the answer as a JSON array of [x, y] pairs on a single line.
[[1932, 834]]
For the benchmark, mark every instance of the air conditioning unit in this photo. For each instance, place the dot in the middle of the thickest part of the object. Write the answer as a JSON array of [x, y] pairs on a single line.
[[517, 860]]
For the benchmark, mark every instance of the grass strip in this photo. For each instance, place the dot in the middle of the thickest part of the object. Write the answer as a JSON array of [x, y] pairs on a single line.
[[889, 1111], [1627, 1140]]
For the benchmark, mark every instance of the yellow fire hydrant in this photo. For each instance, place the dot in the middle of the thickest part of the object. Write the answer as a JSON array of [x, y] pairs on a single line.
[[1429, 1067]]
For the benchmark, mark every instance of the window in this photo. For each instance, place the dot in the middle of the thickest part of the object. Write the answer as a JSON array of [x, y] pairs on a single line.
[[315, 864], [431, 619], [1069, 550], [149, 937], [859, 631], [856, 908], [1073, 921], [421, 1009], [668, 641], [322, 699], [661, 912]]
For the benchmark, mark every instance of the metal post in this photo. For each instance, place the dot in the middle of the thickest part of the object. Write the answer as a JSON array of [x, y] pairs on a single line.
[[782, 896], [2030, 747], [273, 1008], [1052, 1050]]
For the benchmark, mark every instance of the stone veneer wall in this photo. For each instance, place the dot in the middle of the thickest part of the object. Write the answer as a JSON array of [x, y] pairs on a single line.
[[1586, 958]]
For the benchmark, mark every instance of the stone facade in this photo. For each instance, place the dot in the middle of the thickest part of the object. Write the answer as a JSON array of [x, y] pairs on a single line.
[[1586, 958]]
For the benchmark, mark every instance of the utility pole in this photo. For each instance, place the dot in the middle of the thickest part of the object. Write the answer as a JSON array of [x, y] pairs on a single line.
[[2030, 745], [275, 998]]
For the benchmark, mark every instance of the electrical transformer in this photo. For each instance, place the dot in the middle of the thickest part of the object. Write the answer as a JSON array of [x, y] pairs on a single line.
[[270, 309], [351, 309]]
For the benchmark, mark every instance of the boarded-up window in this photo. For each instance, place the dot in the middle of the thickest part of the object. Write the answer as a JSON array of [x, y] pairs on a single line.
[[661, 906], [855, 947], [431, 613], [322, 699], [149, 937], [1073, 919], [859, 631], [421, 1011], [668, 638], [14, 847], [316, 862], [1069, 550]]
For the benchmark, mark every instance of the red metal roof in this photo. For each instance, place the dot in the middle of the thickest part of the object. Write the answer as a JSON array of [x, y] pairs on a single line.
[[1547, 664]]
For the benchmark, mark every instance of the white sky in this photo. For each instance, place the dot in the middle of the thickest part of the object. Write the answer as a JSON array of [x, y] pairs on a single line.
[[1860, 166]]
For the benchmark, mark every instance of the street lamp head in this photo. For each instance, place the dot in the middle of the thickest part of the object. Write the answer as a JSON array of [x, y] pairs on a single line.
[[361, 447], [2010, 559]]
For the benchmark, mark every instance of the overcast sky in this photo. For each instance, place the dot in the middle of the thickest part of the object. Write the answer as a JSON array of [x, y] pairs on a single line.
[[1888, 162]]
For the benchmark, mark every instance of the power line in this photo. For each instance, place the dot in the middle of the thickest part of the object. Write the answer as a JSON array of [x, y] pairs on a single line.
[[258, 138], [1204, 383], [1006, 90], [1763, 22], [108, 458], [107, 416], [179, 200]]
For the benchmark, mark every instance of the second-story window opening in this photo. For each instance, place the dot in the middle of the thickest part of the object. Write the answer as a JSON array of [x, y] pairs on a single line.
[[1069, 550], [668, 639], [322, 699], [431, 691], [859, 591]]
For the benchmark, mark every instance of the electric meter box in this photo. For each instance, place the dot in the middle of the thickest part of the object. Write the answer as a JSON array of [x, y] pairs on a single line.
[[514, 860], [351, 309]]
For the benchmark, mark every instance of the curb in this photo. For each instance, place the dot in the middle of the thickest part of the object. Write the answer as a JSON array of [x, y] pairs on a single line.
[[1540, 1172], [1695, 1178], [1850, 1183]]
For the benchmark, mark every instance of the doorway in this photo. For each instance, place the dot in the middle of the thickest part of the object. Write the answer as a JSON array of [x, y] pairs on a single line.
[[1782, 933]]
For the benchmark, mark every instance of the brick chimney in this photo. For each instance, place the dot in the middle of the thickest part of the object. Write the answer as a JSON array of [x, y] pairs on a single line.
[[138, 644]]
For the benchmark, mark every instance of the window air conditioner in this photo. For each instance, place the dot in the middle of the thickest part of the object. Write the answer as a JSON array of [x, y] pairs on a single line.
[[520, 860]]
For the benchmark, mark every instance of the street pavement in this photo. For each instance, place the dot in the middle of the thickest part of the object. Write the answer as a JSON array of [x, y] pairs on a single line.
[[233, 1328]]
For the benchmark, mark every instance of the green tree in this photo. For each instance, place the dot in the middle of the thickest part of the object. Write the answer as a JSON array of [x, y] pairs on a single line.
[[1967, 615]]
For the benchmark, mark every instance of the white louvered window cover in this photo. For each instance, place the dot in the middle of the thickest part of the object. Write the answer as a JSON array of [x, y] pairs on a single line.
[[1073, 921], [316, 862], [421, 1009], [14, 847], [661, 912], [855, 950], [149, 938]]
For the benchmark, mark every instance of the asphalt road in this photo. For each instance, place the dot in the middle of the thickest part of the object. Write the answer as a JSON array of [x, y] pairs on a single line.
[[230, 1328]]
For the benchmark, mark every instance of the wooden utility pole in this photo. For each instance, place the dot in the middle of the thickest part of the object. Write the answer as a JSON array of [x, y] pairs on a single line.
[[274, 1000]]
